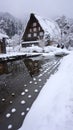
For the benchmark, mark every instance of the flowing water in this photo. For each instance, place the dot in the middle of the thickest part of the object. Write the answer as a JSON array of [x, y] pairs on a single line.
[[20, 84]]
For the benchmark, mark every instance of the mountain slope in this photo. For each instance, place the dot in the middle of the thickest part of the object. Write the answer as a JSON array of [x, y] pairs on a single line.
[[9, 24]]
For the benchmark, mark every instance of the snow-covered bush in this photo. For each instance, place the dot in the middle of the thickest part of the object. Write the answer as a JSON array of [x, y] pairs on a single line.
[[66, 26], [13, 49], [14, 41], [44, 41], [31, 49], [50, 49]]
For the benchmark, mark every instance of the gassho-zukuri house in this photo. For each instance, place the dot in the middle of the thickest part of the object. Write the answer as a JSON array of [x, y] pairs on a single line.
[[3, 38], [37, 28]]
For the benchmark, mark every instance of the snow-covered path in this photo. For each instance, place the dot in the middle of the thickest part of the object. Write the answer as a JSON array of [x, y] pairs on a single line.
[[53, 109]]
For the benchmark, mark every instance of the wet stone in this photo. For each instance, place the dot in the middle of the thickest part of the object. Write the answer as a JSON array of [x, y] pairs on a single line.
[[29, 96], [23, 113], [10, 102], [22, 102], [36, 90], [9, 126], [39, 80], [13, 110], [8, 115], [30, 82], [13, 94], [25, 85], [23, 93], [40, 75], [35, 83], [40, 86], [26, 90], [3, 99], [34, 79], [27, 109]]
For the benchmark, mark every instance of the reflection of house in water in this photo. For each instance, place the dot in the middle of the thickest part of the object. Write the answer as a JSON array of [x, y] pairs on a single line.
[[11, 67], [3, 38], [13, 76], [32, 66], [3, 68], [14, 67]]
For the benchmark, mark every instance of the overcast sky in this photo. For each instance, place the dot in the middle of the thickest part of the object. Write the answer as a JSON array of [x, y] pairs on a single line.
[[46, 8]]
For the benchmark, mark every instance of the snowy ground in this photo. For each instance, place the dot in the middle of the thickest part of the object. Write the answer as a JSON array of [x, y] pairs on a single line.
[[34, 50], [53, 109]]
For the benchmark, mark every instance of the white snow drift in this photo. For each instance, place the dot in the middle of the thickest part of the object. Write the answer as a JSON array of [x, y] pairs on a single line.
[[53, 109]]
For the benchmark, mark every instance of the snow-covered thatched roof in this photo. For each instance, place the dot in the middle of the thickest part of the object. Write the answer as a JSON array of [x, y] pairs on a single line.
[[3, 36], [49, 26]]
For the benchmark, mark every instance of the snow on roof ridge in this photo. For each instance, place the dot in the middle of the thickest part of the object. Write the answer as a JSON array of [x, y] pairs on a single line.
[[48, 19], [43, 17], [49, 26]]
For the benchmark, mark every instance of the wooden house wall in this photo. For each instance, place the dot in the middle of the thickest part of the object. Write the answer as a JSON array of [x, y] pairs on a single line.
[[33, 30], [29, 44], [2, 47]]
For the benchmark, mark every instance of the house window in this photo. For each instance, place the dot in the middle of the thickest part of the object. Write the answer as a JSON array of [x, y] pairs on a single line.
[[29, 35], [30, 29], [34, 29], [34, 24], [39, 28], [34, 34], [41, 33]]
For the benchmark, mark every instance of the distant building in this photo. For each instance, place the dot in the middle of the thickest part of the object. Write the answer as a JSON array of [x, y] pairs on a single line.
[[3, 38], [37, 28]]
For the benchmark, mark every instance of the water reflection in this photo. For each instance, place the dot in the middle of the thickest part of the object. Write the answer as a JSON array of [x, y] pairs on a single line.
[[33, 66], [11, 76], [3, 68], [20, 83], [14, 67], [15, 78], [11, 67]]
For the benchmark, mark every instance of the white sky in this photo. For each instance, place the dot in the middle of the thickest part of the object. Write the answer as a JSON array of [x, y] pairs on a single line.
[[47, 8]]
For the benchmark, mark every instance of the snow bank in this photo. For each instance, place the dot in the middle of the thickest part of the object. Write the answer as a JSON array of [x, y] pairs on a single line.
[[50, 50], [55, 51], [13, 49], [61, 52], [53, 109], [11, 54], [31, 49]]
